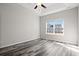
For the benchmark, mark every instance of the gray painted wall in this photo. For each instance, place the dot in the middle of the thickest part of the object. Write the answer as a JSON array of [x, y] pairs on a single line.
[[70, 26], [18, 25]]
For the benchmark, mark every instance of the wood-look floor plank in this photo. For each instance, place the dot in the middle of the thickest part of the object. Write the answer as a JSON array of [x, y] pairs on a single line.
[[38, 48]]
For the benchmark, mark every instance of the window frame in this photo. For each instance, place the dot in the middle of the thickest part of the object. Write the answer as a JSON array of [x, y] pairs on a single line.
[[54, 32]]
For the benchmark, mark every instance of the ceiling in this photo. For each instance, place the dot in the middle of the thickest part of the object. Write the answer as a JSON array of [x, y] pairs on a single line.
[[51, 7]]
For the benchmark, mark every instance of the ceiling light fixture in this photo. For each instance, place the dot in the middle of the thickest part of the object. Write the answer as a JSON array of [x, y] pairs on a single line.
[[39, 4]]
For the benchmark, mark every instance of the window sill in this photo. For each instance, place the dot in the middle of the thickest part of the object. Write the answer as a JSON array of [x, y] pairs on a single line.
[[54, 34]]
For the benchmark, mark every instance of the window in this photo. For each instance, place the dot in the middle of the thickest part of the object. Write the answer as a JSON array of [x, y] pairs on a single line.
[[55, 26]]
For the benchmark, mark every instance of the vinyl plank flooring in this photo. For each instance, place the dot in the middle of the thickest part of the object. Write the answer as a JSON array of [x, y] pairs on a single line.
[[38, 47]]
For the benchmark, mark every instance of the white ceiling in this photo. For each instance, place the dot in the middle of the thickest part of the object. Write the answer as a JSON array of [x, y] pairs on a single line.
[[51, 7]]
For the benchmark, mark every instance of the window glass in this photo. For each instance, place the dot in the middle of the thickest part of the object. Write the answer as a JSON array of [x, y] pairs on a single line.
[[55, 26]]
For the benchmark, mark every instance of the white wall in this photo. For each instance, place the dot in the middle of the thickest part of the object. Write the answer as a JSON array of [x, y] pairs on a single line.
[[78, 26], [0, 31], [70, 26], [18, 25]]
